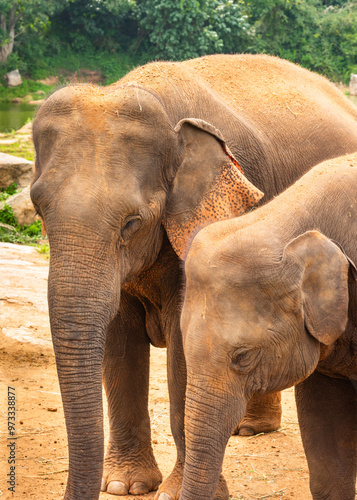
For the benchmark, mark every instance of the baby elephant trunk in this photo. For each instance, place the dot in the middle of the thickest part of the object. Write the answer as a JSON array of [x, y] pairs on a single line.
[[210, 417]]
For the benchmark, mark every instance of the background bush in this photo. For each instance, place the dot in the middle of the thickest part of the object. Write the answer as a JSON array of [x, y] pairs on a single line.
[[114, 35]]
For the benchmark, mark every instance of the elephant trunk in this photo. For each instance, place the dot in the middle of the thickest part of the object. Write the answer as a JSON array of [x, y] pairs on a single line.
[[211, 414], [83, 297]]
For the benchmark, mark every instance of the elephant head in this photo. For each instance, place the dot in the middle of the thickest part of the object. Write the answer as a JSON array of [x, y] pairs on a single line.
[[112, 175], [256, 319]]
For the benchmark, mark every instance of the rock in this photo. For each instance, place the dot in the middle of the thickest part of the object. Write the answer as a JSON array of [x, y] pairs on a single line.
[[13, 79], [14, 169], [8, 141], [51, 80], [22, 207], [27, 97], [40, 92], [16, 100], [25, 129], [36, 103], [353, 84]]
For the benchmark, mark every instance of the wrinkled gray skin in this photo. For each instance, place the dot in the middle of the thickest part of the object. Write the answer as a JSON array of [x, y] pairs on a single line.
[[271, 302], [125, 176]]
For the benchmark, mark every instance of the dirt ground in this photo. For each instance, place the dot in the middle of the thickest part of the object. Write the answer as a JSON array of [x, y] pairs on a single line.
[[264, 466]]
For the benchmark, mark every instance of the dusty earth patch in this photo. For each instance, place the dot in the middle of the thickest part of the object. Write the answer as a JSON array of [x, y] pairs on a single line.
[[266, 466]]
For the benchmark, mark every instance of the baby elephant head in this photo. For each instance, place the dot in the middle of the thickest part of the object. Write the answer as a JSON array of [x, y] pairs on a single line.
[[254, 321]]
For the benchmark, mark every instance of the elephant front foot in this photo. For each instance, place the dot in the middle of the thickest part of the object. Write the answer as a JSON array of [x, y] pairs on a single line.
[[263, 415], [170, 489], [135, 476]]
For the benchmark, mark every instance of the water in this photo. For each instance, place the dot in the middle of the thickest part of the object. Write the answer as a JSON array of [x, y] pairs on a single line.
[[14, 116]]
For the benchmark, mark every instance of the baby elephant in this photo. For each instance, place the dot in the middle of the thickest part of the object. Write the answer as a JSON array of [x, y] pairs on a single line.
[[271, 302]]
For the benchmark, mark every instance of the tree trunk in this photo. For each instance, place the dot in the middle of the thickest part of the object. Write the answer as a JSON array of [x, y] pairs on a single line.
[[82, 300], [7, 47]]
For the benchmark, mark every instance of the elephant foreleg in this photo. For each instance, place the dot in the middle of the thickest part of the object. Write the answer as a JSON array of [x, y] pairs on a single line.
[[130, 466], [327, 411], [263, 415]]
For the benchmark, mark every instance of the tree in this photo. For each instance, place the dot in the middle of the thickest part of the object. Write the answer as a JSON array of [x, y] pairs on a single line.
[[337, 41], [284, 28], [17, 16], [96, 24], [318, 34], [189, 28]]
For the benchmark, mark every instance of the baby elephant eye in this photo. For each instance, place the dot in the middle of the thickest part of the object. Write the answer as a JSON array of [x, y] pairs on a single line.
[[245, 359], [130, 226]]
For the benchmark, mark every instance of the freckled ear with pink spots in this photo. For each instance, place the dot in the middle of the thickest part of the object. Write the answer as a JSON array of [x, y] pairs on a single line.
[[209, 185]]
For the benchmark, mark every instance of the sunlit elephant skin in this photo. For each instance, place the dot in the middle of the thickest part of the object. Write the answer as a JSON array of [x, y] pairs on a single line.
[[125, 177], [271, 302]]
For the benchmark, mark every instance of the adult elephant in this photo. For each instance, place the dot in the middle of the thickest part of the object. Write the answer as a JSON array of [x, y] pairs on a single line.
[[125, 176]]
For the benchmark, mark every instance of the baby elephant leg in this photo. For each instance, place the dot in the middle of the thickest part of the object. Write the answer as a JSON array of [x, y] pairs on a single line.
[[327, 411], [263, 415]]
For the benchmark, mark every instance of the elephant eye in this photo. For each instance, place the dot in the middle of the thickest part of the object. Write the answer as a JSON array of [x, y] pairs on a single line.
[[131, 224], [245, 359]]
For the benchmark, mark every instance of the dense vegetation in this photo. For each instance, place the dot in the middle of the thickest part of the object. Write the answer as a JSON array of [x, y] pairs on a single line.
[[11, 231], [54, 36]]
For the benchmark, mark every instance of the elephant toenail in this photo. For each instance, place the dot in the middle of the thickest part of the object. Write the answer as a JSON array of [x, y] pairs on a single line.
[[164, 496], [246, 431], [117, 488], [139, 488], [103, 486]]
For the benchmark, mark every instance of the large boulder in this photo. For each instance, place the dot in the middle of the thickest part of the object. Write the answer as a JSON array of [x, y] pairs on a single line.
[[13, 79], [25, 129], [353, 84], [14, 169], [22, 207]]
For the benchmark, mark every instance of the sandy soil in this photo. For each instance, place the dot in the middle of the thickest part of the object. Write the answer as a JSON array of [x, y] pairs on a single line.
[[265, 466]]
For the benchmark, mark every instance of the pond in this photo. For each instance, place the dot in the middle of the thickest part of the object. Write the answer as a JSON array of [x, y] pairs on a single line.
[[14, 116]]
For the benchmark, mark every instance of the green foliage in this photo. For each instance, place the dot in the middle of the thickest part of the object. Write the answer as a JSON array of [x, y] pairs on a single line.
[[26, 88], [319, 35], [21, 148], [33, 230], [7, 216], [95, 35], [44, 249], [112, 36], [30, 11], [19, 16], [231, 25], [190, 28], [107, 25], [283, 28], [9, 191], [336, 45], [12, 232]]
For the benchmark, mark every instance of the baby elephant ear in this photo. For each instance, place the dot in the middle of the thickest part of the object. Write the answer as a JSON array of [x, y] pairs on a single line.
[[324, 285], [208, 186]]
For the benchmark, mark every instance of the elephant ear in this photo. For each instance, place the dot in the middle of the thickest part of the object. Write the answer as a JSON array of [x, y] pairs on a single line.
[[208, 186], [324, 271]]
